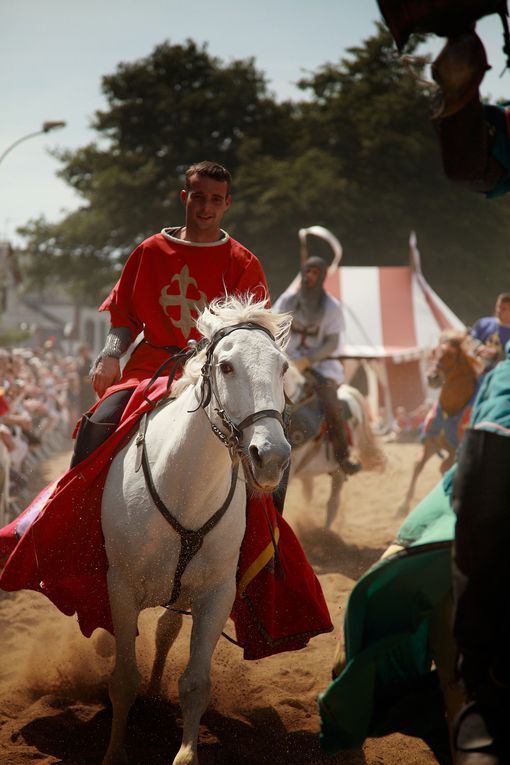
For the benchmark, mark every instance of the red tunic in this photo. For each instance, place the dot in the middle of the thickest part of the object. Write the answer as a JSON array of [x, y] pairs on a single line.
[[164, 285]]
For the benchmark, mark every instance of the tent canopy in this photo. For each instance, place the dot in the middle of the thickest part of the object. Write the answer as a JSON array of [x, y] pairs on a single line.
[[390, 312]]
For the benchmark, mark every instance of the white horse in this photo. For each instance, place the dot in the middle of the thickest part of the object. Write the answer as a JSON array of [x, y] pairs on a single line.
[[316, 457], [227, 410]]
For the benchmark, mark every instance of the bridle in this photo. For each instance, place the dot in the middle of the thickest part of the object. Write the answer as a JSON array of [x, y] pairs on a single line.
[[438, 371], [233, 437], [192, 539]]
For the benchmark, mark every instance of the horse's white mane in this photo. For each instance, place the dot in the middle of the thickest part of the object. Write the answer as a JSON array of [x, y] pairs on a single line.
[[225, 312]]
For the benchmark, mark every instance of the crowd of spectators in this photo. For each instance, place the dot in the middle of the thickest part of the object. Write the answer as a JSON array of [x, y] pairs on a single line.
[[43, 392], [408, 426]]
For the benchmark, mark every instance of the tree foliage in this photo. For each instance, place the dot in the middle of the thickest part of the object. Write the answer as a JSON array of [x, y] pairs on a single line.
[[357, 154]]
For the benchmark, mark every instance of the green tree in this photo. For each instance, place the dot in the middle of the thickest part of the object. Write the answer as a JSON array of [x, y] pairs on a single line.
[[370, 114], [357, 154], [365, 163], [174, 107]]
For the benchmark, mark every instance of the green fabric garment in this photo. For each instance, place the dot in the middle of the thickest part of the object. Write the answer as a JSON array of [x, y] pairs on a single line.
[[388, 673], [388, 683], [491, 407]]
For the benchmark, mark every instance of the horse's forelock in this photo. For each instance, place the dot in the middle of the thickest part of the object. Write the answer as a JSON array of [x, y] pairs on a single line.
[[225, 312]]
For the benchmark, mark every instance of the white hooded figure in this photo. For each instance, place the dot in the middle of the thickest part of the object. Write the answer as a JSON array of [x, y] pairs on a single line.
[[315, 346]]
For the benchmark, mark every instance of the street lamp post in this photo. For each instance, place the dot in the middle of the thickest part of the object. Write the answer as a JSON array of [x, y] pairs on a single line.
[[47, 127]]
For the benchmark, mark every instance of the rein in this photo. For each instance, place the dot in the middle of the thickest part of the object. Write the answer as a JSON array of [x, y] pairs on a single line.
[[192, 539]]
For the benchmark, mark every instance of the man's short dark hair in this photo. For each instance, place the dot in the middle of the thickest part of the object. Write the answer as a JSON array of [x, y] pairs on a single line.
[[503, 297], [209, 170]]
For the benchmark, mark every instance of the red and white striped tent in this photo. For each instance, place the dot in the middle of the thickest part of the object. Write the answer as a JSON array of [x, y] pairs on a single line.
[[393, 319]]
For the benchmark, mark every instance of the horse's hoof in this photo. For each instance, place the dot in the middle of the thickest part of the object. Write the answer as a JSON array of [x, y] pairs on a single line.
[[186, 756]]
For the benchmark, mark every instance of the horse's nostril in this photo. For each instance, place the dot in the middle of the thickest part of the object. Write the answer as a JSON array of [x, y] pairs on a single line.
[[254, 453], [269, 458]]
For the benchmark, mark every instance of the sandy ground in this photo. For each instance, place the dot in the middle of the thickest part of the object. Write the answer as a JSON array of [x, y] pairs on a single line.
[[53, 698]]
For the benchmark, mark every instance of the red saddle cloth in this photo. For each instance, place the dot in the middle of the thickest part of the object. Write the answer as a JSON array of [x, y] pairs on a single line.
[[56, 547]]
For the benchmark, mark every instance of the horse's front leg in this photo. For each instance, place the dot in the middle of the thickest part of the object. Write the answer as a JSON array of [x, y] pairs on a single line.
[[448, 460], [337, 481], [210, 612], [124, 681], [428, 450]]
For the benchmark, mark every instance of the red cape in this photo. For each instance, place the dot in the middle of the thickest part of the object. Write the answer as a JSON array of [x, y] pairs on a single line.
[[56, 547]]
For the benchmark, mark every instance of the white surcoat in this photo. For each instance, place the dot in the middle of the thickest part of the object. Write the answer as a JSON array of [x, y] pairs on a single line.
[[303, 343]]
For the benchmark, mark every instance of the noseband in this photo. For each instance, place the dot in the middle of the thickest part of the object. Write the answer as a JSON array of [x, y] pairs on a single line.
[[439, 372], [192, 539]]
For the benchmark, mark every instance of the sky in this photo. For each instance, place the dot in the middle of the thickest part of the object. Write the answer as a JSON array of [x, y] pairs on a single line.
[[53, 54]]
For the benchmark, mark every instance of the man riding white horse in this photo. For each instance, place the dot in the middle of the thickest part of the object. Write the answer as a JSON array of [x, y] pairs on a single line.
[[315, 344], [165, 284]]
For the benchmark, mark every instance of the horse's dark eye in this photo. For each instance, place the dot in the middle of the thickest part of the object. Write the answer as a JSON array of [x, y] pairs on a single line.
[[285, 367], [226, 367]]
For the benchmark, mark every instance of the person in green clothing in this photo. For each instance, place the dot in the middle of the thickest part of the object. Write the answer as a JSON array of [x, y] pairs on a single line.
[[481, 574], [387, 680], [474, 140]]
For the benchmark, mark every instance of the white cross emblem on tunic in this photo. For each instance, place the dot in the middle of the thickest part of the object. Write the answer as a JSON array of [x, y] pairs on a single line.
[[189, 308]]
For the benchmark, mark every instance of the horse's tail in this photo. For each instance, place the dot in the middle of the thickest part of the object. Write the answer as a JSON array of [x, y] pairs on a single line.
[[371, 455]]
